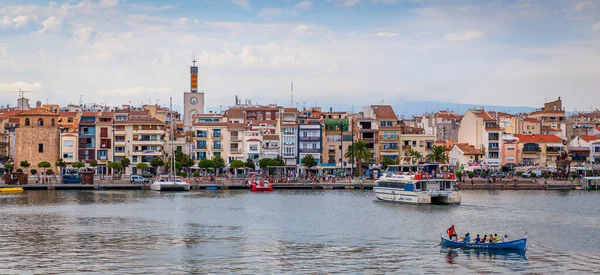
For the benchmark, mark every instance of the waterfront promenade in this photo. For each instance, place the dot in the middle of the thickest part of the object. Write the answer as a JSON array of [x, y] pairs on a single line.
[[228, 183]]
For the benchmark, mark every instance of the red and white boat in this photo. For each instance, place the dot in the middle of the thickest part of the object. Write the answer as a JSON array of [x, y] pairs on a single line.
[[260, 185]]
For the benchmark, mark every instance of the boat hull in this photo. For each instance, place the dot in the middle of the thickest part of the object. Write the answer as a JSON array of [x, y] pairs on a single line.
[[11, 190], [256, 188], [170, 186], [402, 197], [520, 244]]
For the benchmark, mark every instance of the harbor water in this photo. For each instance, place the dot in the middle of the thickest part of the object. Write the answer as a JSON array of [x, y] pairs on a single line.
[[290, 231]]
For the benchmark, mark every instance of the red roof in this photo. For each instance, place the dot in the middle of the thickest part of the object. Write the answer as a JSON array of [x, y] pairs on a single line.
[[384, 112], [532, 120], [589, 138], [469, 149], [483, 114], [37, 112], [539, 138], [10, 113]]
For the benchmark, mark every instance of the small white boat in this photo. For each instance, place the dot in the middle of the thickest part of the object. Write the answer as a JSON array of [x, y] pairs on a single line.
[[166, 183]]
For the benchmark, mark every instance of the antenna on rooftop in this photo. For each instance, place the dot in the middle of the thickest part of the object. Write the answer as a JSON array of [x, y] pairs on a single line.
[[292, 89]]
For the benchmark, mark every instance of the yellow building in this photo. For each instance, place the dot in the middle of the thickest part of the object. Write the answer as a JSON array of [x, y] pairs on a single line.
[[210, 136]]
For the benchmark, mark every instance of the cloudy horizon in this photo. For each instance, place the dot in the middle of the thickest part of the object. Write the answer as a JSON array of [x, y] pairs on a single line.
[[360, 52]]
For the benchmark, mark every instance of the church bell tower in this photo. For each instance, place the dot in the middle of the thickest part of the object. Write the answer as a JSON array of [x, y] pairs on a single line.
[[193, 101]]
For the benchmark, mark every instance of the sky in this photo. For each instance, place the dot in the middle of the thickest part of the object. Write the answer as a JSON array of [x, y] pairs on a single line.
[[358, 52]]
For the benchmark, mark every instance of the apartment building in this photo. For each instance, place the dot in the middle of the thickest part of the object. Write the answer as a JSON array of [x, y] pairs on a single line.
[[211, 136], [104, 138], [338, 137], [521, 125], [8, 123], [310, 134], [87, 136], [69, 147], [137, 136], [68, 122], [552, 115], [288, 124], [584, 149], [463, 154], [271, 146], [481, 130], [539, 149], [443, 125], [368, 129]]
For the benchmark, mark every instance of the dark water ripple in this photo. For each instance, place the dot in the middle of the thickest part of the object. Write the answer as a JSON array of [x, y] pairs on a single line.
[[298, 232]]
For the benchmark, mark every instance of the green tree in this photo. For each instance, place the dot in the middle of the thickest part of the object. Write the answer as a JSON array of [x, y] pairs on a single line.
[[265, 162], [236, 164], [219, 162], [471, 175], [279, 161], [61, 164], [309, 161], [142, 166], [178, 166], [196, 174], [9, 167], [115, 166], [125, 162], [25, 164], [387, 162], [78, 165], [156, 163], [44, 164], [438, 154], [417, 156], [33, 172], [361, 154], [519, 174], [249, 163], [93, 163], [183, 174]]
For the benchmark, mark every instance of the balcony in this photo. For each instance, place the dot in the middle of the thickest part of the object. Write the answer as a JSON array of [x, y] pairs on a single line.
[[270, 147], [235, 150], [3, 144], [235, 138], [147, 142], [388, 148], [406, 147], [310, 150], [494, 149], [369, 140], [531, 150], [383, 138], [103, 158], [201, 147], [310, 138]]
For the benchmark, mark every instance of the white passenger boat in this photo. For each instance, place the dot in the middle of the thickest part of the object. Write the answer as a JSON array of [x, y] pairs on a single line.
[[418, 184], [166, 183]]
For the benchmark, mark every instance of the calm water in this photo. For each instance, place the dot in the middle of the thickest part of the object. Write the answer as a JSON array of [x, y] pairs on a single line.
[[142, 232]]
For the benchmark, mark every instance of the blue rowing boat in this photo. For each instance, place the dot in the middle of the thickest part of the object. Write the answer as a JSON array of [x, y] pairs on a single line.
[[520, 244]]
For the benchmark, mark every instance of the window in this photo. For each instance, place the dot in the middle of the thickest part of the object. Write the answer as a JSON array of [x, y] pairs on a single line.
[[153, 138], [386, 123], [217, 144], [200, 155], [201, 144], [217, 133], [103, 132], [134, 159], [253, 148], [120, 138], [510, 148], [200, 133], [120, 149], [67, 155], [52, 122], [68, 143], [27, 123], [41, 148], [40, 122]]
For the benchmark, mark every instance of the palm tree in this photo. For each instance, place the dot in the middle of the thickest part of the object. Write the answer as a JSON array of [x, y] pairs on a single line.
[[417, 156], [360, 153], [438, 154]]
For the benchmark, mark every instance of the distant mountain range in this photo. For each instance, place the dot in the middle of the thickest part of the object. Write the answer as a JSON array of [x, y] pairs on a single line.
[[411, 108]]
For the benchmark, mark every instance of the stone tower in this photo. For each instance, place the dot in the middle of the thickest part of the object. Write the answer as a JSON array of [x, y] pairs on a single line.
[[193, 101], [38, 137]]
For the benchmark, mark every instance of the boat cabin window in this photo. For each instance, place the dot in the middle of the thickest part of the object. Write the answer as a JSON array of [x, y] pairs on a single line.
[[390, 184], [418, 186], [448, 185]]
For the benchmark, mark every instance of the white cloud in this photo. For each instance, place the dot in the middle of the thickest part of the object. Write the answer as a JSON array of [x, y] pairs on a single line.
[[23, 85], [463, 36], [271, 12], [109, 3], [304, 5], [146, 7], [596, 27], [386, 34], [242, 3], [52, 24], [85, 34], [583, 6], [345, 3], [21, 21]]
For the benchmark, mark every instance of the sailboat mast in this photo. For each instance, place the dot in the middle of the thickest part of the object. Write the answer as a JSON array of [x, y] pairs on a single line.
[[171, 134]]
